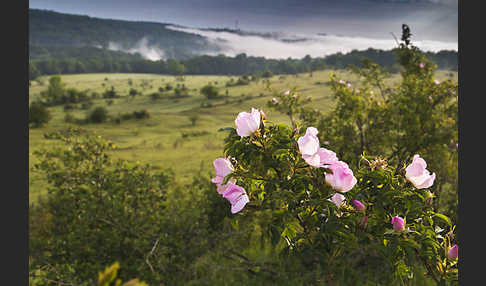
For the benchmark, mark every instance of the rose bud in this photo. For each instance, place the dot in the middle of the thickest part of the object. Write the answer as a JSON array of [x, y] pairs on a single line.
[[429, 198], [364, 221], [452, 253], [358, 205], [263, 114], [398, 223]]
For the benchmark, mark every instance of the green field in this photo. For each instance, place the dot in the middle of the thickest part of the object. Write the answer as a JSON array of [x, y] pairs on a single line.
[[158, 140]]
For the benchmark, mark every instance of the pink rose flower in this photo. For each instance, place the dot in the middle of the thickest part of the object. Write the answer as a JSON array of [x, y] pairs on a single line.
[[342, 178], [453, 252], [418, 175], [309, 143], [274, 100], [348, 85], [357, 91], [223, 167], [338, 199], [358, 205], [287, 92], [325, 142], [398, 223], [326, 157], [247, 123], [421, 65], [430, 98], [436, 81], [237, 197], [341, 81]]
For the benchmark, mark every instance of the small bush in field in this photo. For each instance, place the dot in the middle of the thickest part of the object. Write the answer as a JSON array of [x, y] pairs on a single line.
[[39, 115], [98, 115]]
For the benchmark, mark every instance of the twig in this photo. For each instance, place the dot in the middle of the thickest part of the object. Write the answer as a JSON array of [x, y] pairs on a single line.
[[150, 254]]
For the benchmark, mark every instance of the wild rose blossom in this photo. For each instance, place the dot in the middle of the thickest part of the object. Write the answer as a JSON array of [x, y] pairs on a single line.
[[309, 143], [348, 85], [223, 167], [398, 223], [342, 178], [421, 65], [237, 196], [312, 153], [338, 199], [418, 175], [358, 205], [453, 252], [247, 123], [436, 82]]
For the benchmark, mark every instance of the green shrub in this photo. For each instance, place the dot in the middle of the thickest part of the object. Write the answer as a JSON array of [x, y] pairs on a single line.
[[210, 91], [39, 115], [98, 115]]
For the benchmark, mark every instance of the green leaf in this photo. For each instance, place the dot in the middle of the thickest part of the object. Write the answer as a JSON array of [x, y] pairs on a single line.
[[443, 218]]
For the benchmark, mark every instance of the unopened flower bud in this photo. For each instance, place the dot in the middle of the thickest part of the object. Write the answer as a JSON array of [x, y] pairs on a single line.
[[364, 221], [263, 114], [358, 205], [453, 252], [429, 198], [398, 223]]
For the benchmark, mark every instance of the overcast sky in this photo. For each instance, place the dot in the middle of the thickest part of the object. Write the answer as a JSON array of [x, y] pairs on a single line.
[[430, 20]]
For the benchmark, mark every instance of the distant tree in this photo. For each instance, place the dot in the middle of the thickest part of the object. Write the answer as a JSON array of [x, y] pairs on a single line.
[[133, 92], [175, 67], [194, 118], [54, 91], [267, 73], [39, 115], [98, 115], [111, 93], [209, 91]]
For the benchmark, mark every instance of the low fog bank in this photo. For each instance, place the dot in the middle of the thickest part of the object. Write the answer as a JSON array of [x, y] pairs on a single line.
[[282, 46], [149, 52]]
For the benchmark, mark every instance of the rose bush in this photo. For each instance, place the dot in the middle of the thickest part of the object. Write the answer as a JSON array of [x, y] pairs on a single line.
[[317, 207]]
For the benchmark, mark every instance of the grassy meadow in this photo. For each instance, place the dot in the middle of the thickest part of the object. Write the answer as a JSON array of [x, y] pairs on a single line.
[[159, 140]]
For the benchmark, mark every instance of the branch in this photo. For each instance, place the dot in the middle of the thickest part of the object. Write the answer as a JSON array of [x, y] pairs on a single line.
[[150, 254]]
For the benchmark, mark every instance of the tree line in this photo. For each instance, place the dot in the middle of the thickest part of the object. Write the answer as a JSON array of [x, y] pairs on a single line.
[[224, 65]]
